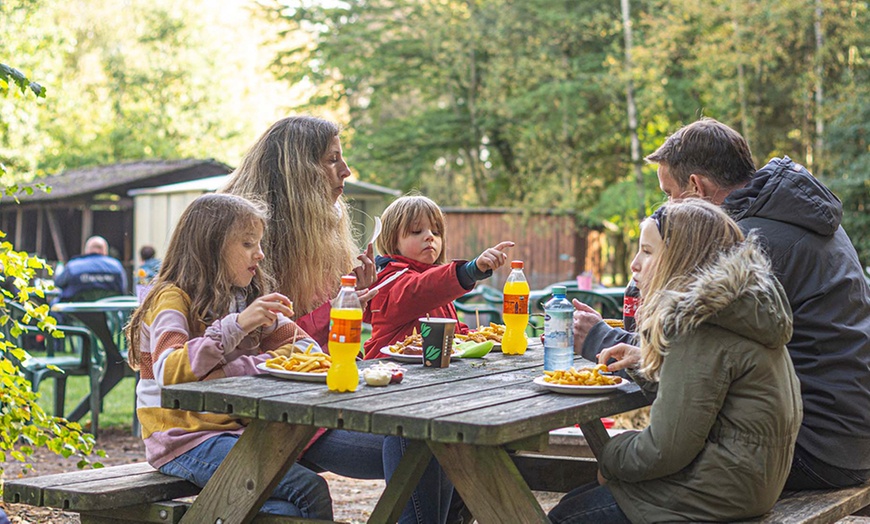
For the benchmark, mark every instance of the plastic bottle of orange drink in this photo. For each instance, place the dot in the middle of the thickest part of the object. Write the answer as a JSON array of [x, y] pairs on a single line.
[[516, 311], [344, 337]]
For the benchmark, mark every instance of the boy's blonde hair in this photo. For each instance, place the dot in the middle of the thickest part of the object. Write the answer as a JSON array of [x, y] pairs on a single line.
[[399, 218], [310, 244], [194, 263], [695, 235]]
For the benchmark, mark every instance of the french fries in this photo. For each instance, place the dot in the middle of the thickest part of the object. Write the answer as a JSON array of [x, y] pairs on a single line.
[[614, 322], [414, 339], [582, 377], [492, 332], [307, 362]]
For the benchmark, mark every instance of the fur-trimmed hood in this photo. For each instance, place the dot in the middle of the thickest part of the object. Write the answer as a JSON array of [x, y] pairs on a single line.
[[738, 293]]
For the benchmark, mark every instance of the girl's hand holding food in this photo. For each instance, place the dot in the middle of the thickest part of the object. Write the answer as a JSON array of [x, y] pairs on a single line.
[[264, 311], [494, 257], [626, 356]]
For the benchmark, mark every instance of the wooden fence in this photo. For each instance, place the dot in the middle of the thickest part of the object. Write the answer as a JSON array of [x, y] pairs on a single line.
[[552, 245]]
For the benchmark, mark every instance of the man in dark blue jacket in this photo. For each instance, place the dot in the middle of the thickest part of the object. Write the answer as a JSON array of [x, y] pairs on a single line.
[[92, 275], [798, 219]]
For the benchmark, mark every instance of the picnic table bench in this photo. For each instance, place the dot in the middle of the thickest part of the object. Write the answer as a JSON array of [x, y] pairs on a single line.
[[139, 493]]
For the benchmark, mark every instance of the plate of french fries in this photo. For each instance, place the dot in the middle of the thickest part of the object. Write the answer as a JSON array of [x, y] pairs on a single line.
[[582, 381], [410, 349], [307, 367]]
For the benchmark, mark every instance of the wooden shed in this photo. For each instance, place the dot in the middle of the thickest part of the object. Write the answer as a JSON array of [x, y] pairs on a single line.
[[91, 201], [158, 209]]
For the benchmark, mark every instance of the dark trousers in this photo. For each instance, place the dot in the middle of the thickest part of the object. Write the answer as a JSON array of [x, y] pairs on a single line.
[[808, 472]]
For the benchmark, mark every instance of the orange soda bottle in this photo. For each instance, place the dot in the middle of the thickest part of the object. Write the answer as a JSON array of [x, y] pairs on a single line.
[[344, 337], [516, 311]]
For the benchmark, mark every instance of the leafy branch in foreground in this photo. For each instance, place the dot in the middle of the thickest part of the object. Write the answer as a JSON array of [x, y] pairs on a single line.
[[24, 425]]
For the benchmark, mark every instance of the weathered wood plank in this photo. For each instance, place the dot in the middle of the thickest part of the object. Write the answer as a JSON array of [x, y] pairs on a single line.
[[489, 483], [816, 506], [30, 490], [250, 472], [531, 416], [596, 435], [117, 491], [414, 419], [171, 512]]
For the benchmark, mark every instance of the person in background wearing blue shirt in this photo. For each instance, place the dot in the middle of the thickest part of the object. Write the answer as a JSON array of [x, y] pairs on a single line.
[[150, 264], [91, 275]]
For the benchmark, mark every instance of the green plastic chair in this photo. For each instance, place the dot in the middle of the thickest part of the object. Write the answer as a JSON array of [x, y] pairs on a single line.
[[75, 358], [607, 306]]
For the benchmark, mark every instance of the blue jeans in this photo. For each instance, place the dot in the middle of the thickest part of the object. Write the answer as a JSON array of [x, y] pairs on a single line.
[[808, 472], [3, 518], [301, 493], [589, 503], [367, 456]]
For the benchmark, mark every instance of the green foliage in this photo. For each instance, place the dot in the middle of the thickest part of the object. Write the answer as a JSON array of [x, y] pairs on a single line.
[[522, 104], [16, 78], [24, 425], [848, 139]]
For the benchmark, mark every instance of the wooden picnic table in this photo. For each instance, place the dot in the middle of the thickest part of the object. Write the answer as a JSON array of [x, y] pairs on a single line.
[[465, 415]]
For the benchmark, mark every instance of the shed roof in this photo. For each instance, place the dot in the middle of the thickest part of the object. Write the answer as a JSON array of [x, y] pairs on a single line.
[[354, 188], [122, 177]]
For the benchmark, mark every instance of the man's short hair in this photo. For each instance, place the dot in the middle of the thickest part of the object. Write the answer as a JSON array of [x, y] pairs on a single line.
[[709, 148], [147, 252], [96, 245]]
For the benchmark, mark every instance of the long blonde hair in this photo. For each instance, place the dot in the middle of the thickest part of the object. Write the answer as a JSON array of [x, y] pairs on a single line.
[[309, 244], [399, 218], [194, 263], [695, 235]]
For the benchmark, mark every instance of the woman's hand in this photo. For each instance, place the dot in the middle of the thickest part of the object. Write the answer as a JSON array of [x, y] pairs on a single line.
[[601, 480], [367, 273], [264, 311], [627, 356], [494, 257]]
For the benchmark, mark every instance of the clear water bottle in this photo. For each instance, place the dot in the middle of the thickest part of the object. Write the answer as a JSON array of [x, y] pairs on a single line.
[[558, 331], [629, 306]]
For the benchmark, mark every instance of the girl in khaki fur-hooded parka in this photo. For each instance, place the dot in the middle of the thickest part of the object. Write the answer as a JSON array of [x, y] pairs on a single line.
[[713, 327]]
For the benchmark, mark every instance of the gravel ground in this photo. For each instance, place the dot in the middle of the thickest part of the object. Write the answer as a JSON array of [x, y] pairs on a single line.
[[353, 499]]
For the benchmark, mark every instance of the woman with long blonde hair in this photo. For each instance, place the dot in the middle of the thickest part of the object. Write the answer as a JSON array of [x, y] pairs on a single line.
[[713, 325], [298, 168]]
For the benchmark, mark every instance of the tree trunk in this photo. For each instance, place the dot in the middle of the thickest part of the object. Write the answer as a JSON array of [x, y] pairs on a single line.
[[632, 112], [741, 84], [820, 121]]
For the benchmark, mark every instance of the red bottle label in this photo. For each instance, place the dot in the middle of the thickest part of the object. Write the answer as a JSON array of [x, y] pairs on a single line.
[[629, 306]]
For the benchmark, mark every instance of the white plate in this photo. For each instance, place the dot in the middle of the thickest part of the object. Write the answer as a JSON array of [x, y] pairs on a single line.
[[577, 390], [407, 358], [293, 375]]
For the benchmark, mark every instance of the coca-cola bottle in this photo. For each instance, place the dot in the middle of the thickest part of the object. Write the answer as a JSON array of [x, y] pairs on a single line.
[[630, 302]]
